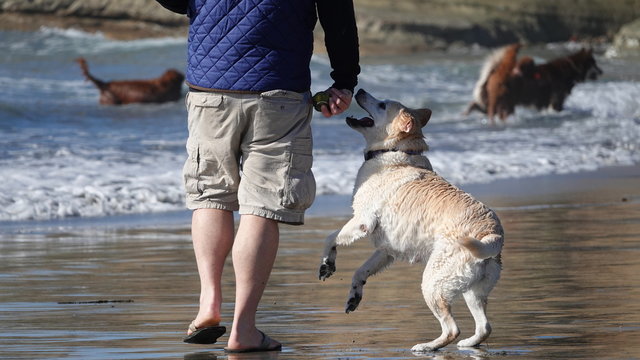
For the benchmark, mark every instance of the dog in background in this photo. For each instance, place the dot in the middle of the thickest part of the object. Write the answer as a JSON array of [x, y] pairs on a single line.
[[165, 88], [494, 93], [548, 85], [410, 213], [505, 83]]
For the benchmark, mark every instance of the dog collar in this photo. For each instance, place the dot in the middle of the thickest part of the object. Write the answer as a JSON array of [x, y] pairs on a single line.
[[373, 153]]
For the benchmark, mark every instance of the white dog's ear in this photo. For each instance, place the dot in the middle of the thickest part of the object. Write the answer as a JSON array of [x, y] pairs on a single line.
[[405, 121], [408, 118]]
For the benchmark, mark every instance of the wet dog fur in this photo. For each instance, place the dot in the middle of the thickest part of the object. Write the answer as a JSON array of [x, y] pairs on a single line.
[[410, 213], [165, 88]]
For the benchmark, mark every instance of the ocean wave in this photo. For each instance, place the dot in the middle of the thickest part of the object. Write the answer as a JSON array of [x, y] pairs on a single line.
[[71, 33], [68, 183], [54, 43], [63, 155], [100, 40]]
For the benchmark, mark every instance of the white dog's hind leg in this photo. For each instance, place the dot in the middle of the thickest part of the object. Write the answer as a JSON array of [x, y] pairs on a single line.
[[476, 299], [441, 308], [439, 288], [377, 262], [477, 304]]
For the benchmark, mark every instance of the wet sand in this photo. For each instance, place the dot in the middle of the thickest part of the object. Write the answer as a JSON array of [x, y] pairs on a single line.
[[127, 289]]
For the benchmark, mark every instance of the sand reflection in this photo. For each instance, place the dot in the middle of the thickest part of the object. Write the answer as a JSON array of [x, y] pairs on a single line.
[[569, 289]]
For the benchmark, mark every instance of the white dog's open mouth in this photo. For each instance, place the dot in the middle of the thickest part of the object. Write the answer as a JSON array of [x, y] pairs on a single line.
[[362, 98], [363, 122]]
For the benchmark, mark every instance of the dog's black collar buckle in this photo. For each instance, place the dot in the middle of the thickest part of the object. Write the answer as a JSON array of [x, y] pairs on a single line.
[[373, 153]]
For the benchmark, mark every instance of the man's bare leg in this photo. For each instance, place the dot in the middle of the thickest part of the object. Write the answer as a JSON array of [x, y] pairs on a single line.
[[254, 253], [212, 233]]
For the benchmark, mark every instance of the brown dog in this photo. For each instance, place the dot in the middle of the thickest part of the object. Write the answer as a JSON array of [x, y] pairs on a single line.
[[167, 87], [493, 93], [505, 83], [548, 85], [500, 95]]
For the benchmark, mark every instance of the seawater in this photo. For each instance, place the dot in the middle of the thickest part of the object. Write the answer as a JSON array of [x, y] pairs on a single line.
[[63, 155]]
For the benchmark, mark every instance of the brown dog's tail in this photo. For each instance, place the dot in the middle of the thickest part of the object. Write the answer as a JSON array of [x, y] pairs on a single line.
[[489, 65], [488, 246], [85, 71], [503, 55]]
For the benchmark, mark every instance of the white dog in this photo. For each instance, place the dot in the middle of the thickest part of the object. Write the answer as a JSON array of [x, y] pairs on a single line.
[[410, 213]]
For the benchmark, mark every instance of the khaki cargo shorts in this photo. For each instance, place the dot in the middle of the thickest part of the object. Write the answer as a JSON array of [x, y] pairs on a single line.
[[250, 152]]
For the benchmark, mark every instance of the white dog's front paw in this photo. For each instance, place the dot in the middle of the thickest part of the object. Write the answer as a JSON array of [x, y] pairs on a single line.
[[353, 302], [424, 347], [327, 268]]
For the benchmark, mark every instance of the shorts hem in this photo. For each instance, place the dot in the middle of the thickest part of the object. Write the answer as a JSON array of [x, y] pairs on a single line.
[[195, 205], [290, 217]]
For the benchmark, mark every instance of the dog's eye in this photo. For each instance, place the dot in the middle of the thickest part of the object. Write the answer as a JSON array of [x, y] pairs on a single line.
[[382, 106]]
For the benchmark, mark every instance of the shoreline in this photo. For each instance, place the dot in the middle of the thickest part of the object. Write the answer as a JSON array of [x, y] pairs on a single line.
[[378, 36], [602, 186], [605, 185], [116, 29]]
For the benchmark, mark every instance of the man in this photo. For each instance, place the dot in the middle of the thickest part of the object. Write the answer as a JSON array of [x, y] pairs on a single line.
[[249, 111]]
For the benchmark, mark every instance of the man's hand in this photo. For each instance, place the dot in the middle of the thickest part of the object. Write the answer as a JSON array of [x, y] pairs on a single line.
[[339, 101]]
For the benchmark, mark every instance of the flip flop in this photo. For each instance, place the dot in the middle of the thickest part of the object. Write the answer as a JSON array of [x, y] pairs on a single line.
[[204, 335], [264, 346]]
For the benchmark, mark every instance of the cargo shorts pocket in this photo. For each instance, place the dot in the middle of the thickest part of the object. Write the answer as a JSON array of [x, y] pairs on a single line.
[[191, 168], [300, 185], [211, 161], [278, 113], [207, 116]]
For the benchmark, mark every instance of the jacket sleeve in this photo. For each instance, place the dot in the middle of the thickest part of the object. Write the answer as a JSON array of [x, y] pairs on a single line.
[[177, 6], [337, 18]]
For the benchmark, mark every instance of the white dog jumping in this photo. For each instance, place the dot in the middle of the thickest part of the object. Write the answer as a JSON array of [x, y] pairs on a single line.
[[410, 213]]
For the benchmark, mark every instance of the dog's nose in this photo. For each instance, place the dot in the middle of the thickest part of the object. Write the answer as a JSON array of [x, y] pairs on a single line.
[[361, 92]]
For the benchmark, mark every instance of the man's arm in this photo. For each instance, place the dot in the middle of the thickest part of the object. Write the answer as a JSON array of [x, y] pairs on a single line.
[[338, 21]]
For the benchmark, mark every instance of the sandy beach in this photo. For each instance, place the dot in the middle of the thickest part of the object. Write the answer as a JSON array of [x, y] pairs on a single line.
[[96, 260], [126, 288]]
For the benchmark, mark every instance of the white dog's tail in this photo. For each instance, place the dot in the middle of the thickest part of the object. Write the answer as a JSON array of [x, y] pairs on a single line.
[[490, 63], [488, 246]]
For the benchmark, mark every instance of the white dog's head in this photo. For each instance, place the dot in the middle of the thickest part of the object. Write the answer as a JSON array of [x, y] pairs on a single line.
[[390, 125]]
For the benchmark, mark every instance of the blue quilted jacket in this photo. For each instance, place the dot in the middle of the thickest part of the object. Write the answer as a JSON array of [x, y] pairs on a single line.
[[261, 45]]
